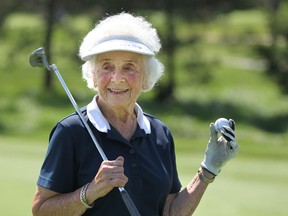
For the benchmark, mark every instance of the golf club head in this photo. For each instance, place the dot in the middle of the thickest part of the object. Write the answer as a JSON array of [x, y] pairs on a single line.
[[38, 58]]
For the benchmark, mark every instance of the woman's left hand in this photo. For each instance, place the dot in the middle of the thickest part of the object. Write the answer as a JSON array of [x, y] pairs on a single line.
[[220, 150]]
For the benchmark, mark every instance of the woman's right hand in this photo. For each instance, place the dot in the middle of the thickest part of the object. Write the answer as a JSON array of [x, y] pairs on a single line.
[[110, 175]]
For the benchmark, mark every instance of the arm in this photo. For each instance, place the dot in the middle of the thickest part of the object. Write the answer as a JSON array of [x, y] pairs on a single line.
[[48, 202], [186, 202], [217, 153]]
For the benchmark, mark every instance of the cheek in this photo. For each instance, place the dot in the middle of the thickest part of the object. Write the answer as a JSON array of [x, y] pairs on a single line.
[[135, 81], [102, 79]]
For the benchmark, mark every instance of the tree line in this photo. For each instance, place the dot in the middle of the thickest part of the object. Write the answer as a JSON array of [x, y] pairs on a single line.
[[190, 10]]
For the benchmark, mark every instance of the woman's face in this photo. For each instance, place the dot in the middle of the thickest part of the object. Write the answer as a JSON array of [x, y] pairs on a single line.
[[119, 77]]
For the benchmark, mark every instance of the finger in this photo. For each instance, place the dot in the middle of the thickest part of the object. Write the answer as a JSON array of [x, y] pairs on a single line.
[[228, 130], [118, 179], [228, 133], [118, 182], [118, 167], [118, 176], [232, 124], [117, 170], [111, 163], [234, 146], [119, 161], [108, 163], [228, 138]]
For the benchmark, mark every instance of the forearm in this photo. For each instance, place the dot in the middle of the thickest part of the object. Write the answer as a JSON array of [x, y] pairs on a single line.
[[60, 204], [186, 202]]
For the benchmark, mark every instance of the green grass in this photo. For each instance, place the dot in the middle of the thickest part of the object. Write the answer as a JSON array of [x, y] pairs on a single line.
[[255, 183], [20, 162], [246, 186]]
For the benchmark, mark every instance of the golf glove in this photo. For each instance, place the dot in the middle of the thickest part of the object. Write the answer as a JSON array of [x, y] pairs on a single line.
[[220, 150]]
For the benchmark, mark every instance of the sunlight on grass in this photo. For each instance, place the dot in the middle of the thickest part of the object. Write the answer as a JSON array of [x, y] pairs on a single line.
[[246, 186], [20, 163]]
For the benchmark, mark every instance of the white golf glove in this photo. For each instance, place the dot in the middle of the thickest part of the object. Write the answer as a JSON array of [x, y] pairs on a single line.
[[220, 150]]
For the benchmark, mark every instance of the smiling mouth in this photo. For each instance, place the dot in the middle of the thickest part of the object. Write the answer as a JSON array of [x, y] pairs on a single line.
[[118, 91]]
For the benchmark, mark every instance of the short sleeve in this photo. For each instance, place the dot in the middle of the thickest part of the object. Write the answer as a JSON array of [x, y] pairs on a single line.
[[58, 170], [176, 184]]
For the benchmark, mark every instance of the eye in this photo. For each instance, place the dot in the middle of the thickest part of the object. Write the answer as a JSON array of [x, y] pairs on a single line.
[[107, 67], [129, 68]]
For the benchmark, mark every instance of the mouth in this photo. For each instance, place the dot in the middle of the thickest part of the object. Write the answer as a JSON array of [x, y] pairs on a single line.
[[118, 91]]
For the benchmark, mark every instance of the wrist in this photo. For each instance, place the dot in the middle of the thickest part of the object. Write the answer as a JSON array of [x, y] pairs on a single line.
[[207, 173], [206, 176], [209, 168], [83, 198]]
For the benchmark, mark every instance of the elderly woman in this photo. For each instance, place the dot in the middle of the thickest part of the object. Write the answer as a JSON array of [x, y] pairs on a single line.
[[120, 64]]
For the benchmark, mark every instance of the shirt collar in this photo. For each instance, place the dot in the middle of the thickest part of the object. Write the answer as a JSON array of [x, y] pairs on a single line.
[[101, 124]]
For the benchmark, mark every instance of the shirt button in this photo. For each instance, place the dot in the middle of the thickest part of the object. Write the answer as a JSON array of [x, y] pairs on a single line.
[[134, 165], [132, 151]]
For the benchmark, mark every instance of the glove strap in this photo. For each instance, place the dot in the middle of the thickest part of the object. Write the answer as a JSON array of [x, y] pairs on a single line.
[[203, 178]]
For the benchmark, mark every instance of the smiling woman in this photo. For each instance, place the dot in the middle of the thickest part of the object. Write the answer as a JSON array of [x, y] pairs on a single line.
[[120, 64]]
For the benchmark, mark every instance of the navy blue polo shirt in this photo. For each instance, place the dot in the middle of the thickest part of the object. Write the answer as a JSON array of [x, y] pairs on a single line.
[[72, 160]]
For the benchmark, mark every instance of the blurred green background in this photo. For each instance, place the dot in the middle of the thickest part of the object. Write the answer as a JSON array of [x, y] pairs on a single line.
[[225, 65]]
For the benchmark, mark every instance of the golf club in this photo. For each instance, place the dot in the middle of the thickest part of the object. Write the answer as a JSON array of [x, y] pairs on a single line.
[[38, 59]]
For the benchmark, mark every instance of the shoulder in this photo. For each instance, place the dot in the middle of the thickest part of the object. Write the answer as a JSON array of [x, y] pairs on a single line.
[[70, 124], [155, 121], [158, 126], [74, 119], [161, 134]]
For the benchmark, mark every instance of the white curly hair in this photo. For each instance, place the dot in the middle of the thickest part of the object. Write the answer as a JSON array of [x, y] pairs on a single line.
[[123, 24]]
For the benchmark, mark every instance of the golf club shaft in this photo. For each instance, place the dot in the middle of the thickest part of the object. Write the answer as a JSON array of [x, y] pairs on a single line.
[[124, 194], [100, 150]]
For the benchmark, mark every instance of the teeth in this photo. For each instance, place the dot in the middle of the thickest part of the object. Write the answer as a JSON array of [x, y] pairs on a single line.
[[118, 91]]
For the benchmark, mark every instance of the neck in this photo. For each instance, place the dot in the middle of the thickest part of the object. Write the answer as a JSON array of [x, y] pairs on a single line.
[[123, 120], [120, 112]]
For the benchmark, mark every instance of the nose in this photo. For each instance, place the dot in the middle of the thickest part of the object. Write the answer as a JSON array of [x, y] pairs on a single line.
[[117, 76]]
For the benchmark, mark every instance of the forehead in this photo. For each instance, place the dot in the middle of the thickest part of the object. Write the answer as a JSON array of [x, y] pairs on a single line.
[[119, 56]]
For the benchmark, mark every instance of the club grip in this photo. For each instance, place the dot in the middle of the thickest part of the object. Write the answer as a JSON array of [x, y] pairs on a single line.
[[129, 203]]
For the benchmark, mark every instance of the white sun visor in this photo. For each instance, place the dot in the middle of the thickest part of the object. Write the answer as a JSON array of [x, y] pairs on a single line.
[[117, 43]]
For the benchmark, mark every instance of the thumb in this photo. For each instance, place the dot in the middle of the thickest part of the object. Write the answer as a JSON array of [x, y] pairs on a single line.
[[213, 133], [119, 160]]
